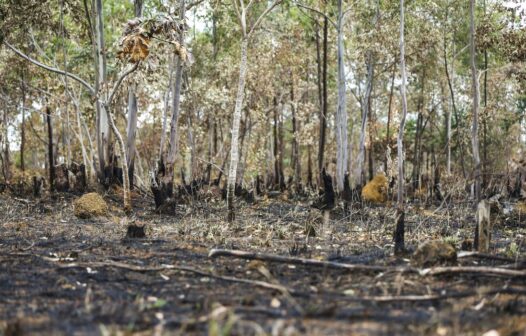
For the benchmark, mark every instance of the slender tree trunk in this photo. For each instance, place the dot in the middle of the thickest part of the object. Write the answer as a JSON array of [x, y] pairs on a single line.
[[484, 120], [400, 214], [450, 81], [365, 113], [166, 107], [319, 76], [51, 160], [323, 114], [276, 153], [476, 103], [168, 179], [6, 159], [295, 145], [388, 131], [66, 129], [342, 148], [418, 134], [234, 145], [23, 127], [103, 127], [131, 129]]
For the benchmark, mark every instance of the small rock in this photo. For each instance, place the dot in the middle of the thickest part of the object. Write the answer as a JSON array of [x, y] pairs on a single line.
[[433, 253], [90, 205]]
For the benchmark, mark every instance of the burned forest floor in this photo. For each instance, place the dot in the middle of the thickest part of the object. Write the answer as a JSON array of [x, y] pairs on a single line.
[[63, 275]]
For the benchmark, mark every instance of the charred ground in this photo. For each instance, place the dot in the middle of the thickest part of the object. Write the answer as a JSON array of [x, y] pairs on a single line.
[[60, 274]]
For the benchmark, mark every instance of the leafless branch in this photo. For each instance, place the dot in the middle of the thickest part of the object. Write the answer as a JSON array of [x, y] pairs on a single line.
[[49, 68], [260, 18]]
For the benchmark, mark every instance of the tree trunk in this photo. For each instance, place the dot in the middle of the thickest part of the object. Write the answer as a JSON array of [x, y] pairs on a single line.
[[295, 145], [400, 215], [476, 98], [277, 168], [234, 143], [323, 111], [342, 148], [104, 146], [23, 127], [166, 106], [131, 129], [388, 131], [6, 160], [51, 160], [165, 190], [365, 112], [450, 81]]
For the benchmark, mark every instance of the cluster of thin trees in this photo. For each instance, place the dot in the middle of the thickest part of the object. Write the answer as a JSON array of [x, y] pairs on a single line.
[[112, 145]]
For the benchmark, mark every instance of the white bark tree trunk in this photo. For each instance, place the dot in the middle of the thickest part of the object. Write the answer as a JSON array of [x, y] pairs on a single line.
[[131, 129], [103, 126], [176, 91], [400, 226], [342, 150], [476, 103], [234, 145], [365, 113]]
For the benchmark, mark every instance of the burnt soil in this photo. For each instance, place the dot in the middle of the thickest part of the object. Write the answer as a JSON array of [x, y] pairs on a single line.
[[64, 275]]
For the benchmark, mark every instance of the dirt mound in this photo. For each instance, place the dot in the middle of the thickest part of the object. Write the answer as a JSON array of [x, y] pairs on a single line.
[[434, 252], [90, 205], [376, 190]]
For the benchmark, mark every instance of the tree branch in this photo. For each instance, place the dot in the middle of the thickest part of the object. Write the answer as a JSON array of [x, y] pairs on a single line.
[[318, 12], [260, 18], [52, 69], [119, 82]]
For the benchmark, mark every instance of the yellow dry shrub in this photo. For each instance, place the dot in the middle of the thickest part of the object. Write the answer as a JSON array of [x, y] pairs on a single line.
[[90, 205], [376, 190], [520, 207]]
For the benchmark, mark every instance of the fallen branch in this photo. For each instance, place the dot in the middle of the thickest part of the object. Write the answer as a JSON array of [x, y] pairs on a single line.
[[437, 297], [494, 271], [483, 270], [214, 253], [135, 268], [479, 255]]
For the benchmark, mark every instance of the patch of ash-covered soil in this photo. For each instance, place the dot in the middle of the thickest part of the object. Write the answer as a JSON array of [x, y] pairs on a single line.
[[63, 275]]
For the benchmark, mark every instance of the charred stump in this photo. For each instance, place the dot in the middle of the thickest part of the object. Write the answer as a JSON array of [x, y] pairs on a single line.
[[399, 233], [38, 184], [135, 231], [162, 190], [327, 201], [62, 178]]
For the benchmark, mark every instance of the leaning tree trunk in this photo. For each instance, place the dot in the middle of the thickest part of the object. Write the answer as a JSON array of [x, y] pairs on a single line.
[[476, 98], [400, 213], [342, 151], [234, 146]]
